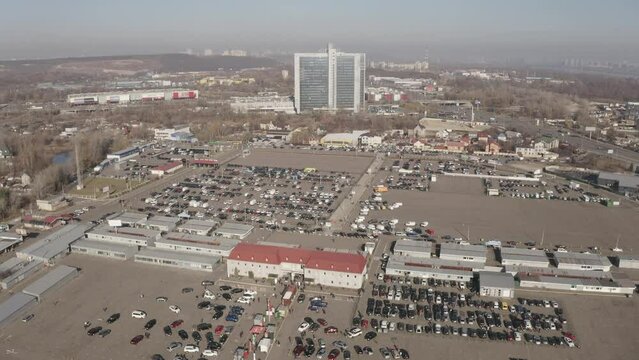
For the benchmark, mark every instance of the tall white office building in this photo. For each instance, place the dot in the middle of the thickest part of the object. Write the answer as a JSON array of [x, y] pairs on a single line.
[[330, 81]]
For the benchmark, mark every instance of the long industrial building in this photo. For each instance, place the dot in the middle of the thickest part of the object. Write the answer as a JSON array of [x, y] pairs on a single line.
[[198, 244], [176, 259], [53, 245], [523, 257], [456, 252], [581, 261], [15, 270], [15, 306], [414, 248], [432, 268], [103, 249], [125, 97], [125, 235], [335, 269], [59, 276]]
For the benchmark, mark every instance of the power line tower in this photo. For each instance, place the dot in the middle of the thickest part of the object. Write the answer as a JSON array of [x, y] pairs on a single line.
[[80, 185]]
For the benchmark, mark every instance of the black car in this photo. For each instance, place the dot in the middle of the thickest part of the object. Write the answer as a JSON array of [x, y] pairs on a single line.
[[223, 339], [226, 296], [300, 298], [217, 315], [196, 336], [204, 304], [207, 283], [219, 307], [150, 324], [204, 326], [157, 357], [347, 355], [225, 288], [167, 330], [104, 332], [370, 335], [358, 350], [404, 354], [237, 291], [113, 318], [94, 330], [183, 334]]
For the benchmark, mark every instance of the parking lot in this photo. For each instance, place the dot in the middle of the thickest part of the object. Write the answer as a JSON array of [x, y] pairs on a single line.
[[301, 159], [107, 287]]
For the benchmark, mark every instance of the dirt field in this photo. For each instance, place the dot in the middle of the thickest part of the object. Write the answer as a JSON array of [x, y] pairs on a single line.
[[322, 161], [93, 187], [455, 205]]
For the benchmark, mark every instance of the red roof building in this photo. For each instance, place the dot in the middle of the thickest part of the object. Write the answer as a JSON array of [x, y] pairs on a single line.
[[322, 267]]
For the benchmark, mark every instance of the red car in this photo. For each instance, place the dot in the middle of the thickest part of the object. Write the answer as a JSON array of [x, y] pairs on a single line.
[[430, 232], [331, 330], [569, 335], [364, 324], [219, 330], [322, 322], [137, 339], [333, 354], [176, 323], [299, 349]]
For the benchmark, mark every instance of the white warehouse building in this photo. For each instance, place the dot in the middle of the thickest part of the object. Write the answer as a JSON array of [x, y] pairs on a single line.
[[581, 261], [523, 257], [456, 252], [414, 248]]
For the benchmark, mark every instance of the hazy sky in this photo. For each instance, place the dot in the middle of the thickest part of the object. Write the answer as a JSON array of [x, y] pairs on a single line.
[[451, 29]]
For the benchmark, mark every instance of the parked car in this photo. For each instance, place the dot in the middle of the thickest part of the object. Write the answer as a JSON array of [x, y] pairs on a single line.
[[136, 339], [113, 318], [138, 314], [176, 309]]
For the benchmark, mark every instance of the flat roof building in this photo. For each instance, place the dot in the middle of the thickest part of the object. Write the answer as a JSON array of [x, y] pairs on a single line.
[[54, 244], [199, 244], [430, 268], [622, 183], [628, 261], [576, 284], [414, 248], [125, 236], [55, 278], [523, 257], [197, 227], [124, 154], [9, 241], [581, 261], [103, 249], [177, 259], [496, 284], [553, 271], [127, 218], [15, 270], [15, 306], [234, 230], [160, 223], [451, 251]]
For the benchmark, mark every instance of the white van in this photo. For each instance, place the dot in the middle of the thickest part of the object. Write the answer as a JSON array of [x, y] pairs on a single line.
[[138, 314]]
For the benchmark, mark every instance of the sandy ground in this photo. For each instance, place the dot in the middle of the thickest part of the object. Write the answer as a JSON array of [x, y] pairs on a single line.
[[322, 161], [455, 205]]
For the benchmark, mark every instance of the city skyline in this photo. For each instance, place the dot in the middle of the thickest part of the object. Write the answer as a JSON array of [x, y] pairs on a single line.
[[455, 31]]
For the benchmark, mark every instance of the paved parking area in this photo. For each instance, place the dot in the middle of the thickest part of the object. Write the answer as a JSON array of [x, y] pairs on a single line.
[[300, 159]]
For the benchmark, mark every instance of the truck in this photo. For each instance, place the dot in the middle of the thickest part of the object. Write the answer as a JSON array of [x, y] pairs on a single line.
[[287, 298]]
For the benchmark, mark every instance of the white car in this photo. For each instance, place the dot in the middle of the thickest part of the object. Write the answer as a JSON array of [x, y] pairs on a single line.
[[354, 332], [138, 314], [303, 326], [191, 348], [250, 292], [569, 342], [176, 309], [244, 300], [517, 336], [209, 353], [424, 224], [208, 294]]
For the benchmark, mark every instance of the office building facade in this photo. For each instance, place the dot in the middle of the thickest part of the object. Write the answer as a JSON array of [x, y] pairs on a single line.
[[330, 81]]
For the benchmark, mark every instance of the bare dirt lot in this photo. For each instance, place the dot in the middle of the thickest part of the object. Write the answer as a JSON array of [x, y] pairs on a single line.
[[456, 207], [322, 161]]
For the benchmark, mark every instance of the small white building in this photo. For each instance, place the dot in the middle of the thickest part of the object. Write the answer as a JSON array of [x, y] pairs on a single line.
[[52, 204], [496, 284], [456, 252], [581, 261], [167, 134]]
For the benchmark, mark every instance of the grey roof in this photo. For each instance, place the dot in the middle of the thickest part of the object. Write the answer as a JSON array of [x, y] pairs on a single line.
[[195, 240], [234, 228], [7, 243], [496, 280], [106, 246], [407, 245], [452, 249], [10, 264], [394, 265], [50, 280], [435, 263], [164, 221], [580, 281], [56, 243], [628, 257], [5, 235], [581, 259], [128, 217], [14, 305], [523, 255], [552, 271], [624, 180], [198, 225], [177, 256], [127, 233]]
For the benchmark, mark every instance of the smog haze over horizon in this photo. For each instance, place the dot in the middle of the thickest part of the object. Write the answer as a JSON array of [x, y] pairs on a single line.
[[543, 31]]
